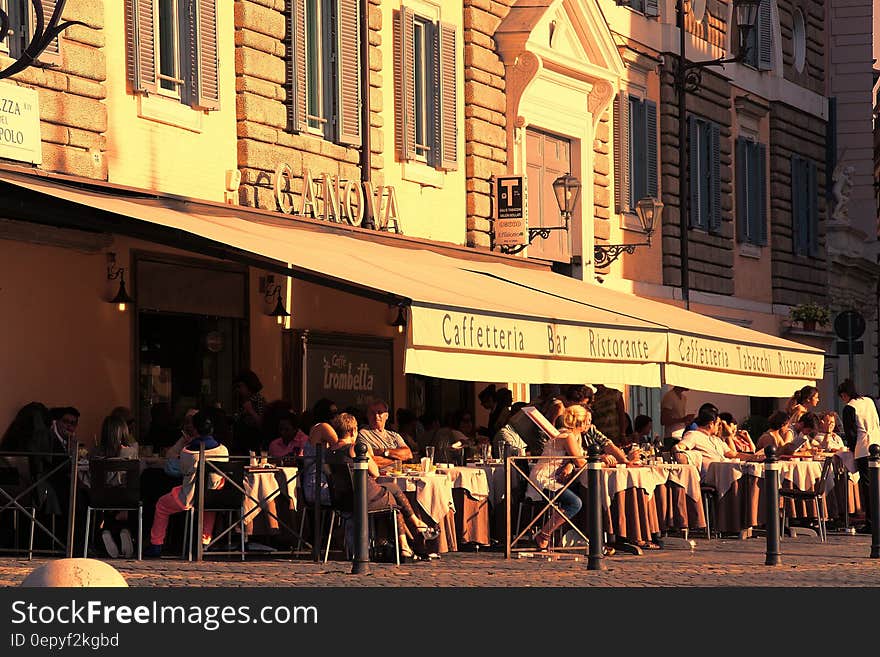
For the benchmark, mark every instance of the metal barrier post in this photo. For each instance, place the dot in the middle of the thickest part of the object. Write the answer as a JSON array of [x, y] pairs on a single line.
[[200, 507], [874, 483], [771, 498], [316, 512], [596, 558], [361, 563], [507, 508], [71, 508]]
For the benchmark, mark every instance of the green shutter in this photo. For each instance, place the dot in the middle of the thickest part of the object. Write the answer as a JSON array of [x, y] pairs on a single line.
[[404, 84], [447, 111], [714, 134], [761, 194], [812, 203], [203, 79], [765, 37], [694, 171], [798, 224], [651, 146], [140, 42], [52, 52], [742, 187], [295, 62]]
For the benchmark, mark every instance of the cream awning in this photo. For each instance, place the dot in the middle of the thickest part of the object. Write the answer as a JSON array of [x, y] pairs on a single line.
[[463, 324], [703, 353]]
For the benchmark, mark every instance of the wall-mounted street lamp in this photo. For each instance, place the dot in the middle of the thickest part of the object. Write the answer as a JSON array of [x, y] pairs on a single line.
[[400, 321], [648, 210], [46, 29], [279, 312], [122, 298], [688, 77], [567, 189]]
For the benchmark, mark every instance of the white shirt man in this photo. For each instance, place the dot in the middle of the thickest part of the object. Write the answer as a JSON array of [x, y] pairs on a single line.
[[703, 439]]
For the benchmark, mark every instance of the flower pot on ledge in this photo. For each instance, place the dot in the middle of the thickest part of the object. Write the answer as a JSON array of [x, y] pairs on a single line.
[[809, 324]]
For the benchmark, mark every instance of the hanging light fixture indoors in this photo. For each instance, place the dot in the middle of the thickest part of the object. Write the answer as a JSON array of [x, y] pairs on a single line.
[[122, 298]]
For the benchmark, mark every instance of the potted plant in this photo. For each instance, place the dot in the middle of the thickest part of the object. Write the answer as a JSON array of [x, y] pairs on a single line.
[[810, 315]]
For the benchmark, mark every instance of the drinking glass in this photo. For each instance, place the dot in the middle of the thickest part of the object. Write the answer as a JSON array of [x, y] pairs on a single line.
[[485, 452], [397, 466], [500, 449]]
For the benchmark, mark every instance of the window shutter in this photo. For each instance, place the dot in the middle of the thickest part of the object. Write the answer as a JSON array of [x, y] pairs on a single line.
[[694, 171], [765, 37], [652, 8], [296, 66], [651, 146], [404, 85], [742, 193], [53, 50], [349, 74], [797, 209], [715, 178], [621, 152], [140, 41], [812, 203], [761, 169], [203, 79], [447, 120]]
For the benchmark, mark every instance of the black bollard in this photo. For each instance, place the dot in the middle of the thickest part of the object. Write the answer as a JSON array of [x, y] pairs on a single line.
[[771, 498], [595, 531], [316, 511], [361, 563], [874, 483]]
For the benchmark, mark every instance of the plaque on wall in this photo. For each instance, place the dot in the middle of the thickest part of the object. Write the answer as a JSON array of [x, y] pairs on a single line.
[[350, 370]]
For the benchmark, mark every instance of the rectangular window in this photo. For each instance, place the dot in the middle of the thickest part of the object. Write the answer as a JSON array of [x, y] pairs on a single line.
[[704, 174], [751, 192], [804, 207], [171, 48], [647, 7], [22, 20], [425, 90], [635, 151], [168, 40], [323, 69]]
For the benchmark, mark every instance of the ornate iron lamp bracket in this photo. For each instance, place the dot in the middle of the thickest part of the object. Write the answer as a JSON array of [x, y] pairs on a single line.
[[43, 34]]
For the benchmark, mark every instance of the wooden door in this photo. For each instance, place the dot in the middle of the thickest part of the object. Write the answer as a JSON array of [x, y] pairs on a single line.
[[548, 158]]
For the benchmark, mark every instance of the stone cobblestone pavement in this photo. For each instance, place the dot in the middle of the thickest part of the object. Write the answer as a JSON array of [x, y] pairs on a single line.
[[842, 561]]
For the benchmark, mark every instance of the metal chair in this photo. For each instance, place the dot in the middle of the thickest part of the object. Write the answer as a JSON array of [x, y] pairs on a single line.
[[710, 507], [114, 485], [342, 506], [229, 499], [12, 485], [816, 495]]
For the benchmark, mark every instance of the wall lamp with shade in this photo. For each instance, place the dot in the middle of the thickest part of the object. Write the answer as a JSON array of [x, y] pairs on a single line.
[[648, 210], [279, 312], [567, 189], [400, 321], [122, 298]]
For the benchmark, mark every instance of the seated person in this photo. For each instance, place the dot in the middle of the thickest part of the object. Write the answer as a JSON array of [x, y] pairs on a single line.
[[807, 429], [704, 440], [385, 494], [181, 497], [693, 426], [116, 443], [387, 446], [642, 432], [290, 441], [737, 439], [827, 437], [612, 453], [777, 434]]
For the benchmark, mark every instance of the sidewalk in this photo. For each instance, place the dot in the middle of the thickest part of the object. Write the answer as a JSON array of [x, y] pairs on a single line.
[[730, 563]]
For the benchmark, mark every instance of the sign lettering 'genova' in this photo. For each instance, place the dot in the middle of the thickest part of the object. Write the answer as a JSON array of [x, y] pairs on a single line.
[[20, 124]]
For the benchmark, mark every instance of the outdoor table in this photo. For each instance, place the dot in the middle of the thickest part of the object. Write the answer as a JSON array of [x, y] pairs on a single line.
[[494, 470], [740, 486], [262, 485], [470, 495], [431, 497], [679, 500]]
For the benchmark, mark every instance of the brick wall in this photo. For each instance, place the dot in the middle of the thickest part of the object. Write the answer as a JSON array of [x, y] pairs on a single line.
[[710, 256], [264, 137], [485, 122], [796, 279], [73, 116]]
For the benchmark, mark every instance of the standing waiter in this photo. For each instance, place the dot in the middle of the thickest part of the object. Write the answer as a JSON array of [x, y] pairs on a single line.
[[861, 428]]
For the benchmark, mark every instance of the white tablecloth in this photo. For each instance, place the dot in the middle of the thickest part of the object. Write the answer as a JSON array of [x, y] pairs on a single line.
[[433, 492], [495, 480], [617, 480], [800, 475], [264, 484], [473, 480]]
